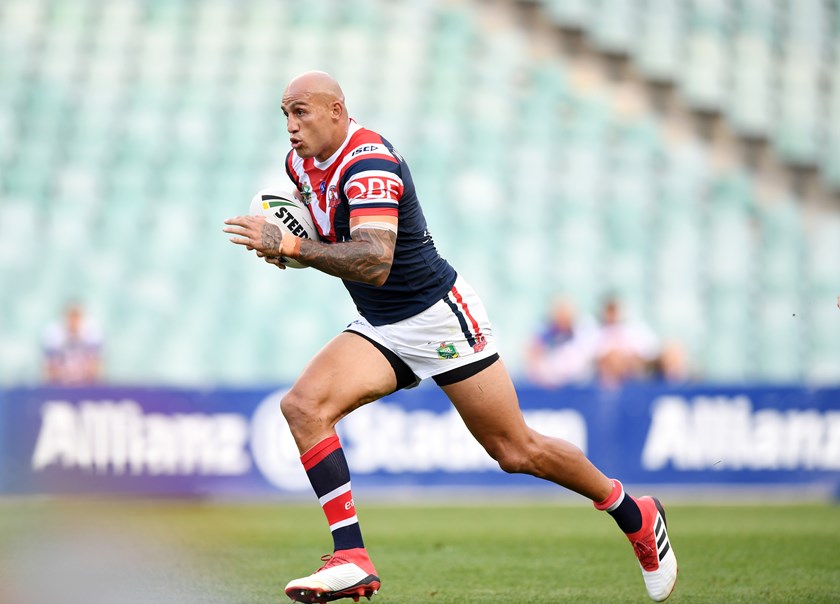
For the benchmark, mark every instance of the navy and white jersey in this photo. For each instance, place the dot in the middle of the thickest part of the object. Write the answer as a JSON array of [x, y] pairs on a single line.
[[367, 177]]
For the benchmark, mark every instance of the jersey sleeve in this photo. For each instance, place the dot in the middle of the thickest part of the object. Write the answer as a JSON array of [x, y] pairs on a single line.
[[373, 184]]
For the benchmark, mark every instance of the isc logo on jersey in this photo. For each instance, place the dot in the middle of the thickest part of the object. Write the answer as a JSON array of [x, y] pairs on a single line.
[[286, 209], [369, 149]]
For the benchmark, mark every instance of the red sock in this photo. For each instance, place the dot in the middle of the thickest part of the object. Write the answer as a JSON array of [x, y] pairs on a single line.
[[622, 507], [329, 475]]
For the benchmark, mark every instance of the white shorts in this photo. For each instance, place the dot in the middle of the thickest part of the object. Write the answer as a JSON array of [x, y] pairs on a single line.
[[451, 334]]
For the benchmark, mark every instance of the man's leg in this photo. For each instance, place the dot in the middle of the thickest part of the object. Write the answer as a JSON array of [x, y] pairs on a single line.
[[330, 387], [488, 404]]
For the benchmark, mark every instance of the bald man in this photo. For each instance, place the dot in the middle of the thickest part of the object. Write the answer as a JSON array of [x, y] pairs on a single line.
[[417, 319]]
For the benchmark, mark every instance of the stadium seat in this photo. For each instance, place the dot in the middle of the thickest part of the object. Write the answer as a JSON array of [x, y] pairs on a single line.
[[823, 353], [704, 79], [782, 247], [730, 239], [728, 354], [750, 100], [660, 48], [779, 345], [573, 13], [615, 29], [823, 249]]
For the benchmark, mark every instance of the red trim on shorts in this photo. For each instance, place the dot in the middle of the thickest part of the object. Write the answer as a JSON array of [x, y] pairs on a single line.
[[317, 453], [479, 337]]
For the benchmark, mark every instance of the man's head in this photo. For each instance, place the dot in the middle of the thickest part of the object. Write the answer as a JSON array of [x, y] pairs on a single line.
[[611, 311], [73, 319], [563, 314], [316, 116]]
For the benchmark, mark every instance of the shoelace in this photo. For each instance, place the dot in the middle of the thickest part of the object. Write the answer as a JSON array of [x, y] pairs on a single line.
[[330, 560], [646, 554]]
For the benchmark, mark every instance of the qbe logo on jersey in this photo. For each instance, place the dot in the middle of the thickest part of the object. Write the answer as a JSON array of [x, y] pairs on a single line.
[[374, 185]]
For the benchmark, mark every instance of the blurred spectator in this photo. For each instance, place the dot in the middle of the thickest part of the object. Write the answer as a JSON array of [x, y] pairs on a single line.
[[671, 365], [563, 351], [625, 350], [72, 349]]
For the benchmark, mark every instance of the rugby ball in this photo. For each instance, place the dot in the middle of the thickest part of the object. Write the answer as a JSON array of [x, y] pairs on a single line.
[[286, 209]]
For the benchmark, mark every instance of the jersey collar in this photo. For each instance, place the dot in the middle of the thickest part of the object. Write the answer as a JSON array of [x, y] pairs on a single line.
[[354, 127]]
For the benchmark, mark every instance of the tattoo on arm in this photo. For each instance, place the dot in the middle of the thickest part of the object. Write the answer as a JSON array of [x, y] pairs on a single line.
[[271, 238], [367, 258]]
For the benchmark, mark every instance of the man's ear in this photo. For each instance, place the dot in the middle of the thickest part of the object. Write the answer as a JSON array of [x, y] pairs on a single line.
[[337, 110]]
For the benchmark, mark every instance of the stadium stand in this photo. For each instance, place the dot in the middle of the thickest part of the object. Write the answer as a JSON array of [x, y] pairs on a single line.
[[130, 129], [770, 67]]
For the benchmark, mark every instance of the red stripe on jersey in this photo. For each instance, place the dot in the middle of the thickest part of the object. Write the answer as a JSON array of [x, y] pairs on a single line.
[[389, 158], [316, 454], [478, 335], [374, 212], [340, 508]]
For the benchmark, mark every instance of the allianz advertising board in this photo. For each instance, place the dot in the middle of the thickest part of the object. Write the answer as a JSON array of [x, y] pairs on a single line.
[[236, 442]]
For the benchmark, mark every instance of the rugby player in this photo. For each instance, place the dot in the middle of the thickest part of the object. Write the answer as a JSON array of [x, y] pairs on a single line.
[[418, 318]]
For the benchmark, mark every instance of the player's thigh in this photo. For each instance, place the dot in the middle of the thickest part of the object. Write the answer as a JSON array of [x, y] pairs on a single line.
[[344, 375], [488, 404]]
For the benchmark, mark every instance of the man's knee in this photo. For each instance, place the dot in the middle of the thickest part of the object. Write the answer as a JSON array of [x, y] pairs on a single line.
[[298, 408], [513, 462], [516, 458]]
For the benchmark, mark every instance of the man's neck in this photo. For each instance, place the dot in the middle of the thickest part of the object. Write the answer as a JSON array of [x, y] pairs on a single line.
[[329, 157]]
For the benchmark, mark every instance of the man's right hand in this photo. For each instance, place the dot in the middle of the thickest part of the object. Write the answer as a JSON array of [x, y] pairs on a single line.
[[275, 260]]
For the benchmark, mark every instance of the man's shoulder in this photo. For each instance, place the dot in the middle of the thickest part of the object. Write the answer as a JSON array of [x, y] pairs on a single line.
[[367, 144], [364, 135]]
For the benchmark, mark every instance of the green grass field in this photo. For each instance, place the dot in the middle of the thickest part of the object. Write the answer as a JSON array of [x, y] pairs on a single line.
[[161, 552]]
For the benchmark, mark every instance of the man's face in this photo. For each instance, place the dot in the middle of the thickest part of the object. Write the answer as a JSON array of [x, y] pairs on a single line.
[[73, 321], [564, 316], [312, 130], [612, 313]]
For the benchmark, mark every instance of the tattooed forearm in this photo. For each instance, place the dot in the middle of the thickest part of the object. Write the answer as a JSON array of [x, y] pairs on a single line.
[[270, 239], [367, 258]]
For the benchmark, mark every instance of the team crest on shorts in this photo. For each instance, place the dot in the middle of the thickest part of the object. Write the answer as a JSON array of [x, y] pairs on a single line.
[[447, 351]]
